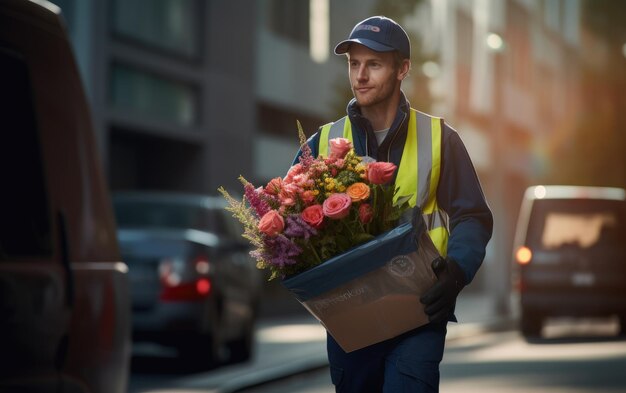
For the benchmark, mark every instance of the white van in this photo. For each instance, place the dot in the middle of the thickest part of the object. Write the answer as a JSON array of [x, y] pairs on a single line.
[[570, 254]]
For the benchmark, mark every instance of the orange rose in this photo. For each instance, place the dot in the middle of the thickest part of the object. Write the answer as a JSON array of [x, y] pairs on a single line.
[[358, 192]]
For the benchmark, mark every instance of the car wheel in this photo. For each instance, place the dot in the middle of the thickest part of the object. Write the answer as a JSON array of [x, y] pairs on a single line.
[[199, 350], [530, 323], [622, 325], [241, 348]]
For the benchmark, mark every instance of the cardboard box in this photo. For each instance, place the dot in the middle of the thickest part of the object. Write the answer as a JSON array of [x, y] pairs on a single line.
[[370, 293]]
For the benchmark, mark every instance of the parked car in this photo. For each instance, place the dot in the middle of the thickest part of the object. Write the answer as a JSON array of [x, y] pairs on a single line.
[[194, 285], [570, 254], [64, 313]]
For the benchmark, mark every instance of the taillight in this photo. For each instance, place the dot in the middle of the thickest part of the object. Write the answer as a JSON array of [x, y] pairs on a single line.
[[201, 264], [523, 255], [181, 281], [203, 286]]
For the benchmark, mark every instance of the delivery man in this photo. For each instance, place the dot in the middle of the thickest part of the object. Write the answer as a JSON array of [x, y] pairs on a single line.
[[435, 167]]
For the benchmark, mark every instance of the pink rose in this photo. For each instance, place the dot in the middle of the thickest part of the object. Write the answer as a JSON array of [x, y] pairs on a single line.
[[313, 215], [272, 223], [380, 172], [337, 206], [274, 186], [339, 147], [365, 213]]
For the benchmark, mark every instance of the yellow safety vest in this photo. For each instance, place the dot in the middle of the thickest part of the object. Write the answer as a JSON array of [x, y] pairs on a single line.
[[418, 172]]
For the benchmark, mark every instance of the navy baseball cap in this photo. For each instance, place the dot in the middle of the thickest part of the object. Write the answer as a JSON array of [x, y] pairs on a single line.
[[380, 34]]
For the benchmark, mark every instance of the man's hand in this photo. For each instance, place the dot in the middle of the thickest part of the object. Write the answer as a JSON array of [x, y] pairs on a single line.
[[441, 298]]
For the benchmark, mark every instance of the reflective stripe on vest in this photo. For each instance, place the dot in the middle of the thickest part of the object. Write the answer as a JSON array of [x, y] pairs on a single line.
[[418, 172]]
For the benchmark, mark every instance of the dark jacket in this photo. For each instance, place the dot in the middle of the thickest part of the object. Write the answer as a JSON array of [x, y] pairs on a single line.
[[459, 193]]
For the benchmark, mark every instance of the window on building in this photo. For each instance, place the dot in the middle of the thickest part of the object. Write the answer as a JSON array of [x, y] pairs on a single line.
[[552, 14], [282, 121], [146, 162], [171, 25], [290, 19], [518, 31], [465, 45], [25, 229], [152, 95]]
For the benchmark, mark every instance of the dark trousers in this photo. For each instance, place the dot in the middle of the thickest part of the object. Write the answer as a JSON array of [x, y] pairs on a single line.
[[408, 363]]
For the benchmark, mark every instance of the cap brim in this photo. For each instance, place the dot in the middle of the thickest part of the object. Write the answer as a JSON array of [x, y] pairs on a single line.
[[344, 46]]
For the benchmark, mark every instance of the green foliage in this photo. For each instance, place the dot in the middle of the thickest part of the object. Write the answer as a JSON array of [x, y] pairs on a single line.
[[245, 216]]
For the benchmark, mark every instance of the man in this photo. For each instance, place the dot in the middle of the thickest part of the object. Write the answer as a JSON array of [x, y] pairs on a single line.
[[434, 166]]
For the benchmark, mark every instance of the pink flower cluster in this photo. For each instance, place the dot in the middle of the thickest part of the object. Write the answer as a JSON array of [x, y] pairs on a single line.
[[321, 207], [299, 187]]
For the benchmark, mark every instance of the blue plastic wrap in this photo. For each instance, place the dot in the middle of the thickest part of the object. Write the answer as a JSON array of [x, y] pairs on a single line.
[[371, 292]]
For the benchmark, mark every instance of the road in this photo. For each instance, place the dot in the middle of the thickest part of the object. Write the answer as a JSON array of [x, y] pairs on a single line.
[[572, 356], [285, 344]]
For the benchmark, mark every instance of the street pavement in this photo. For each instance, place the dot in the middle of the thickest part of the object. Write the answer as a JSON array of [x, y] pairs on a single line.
[[289, 345]]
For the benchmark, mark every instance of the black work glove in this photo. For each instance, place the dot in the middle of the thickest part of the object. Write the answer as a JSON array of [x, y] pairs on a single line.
[[440, 300]]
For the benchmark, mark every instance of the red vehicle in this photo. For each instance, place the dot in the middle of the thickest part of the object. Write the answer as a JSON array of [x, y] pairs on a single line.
[[64, 292]]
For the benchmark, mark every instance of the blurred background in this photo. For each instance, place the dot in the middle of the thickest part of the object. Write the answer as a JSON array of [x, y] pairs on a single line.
[[189, 94]]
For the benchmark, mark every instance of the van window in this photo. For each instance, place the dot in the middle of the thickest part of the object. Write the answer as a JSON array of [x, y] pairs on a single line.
[[580, 223], [24, 214]]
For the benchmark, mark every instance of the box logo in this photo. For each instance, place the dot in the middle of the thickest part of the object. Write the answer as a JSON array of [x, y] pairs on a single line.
[[401, 266], [348, 294]]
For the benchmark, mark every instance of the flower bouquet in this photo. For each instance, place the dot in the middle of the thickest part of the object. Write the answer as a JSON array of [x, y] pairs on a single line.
[[332, 230]]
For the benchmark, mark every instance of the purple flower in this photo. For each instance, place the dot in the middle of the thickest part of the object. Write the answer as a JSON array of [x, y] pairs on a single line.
[[282, 251], [297, 227], [258, 204], [306, 158]]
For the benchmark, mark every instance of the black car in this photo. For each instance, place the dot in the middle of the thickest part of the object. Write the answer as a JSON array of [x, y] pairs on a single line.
[[194, 285], [570, 254]]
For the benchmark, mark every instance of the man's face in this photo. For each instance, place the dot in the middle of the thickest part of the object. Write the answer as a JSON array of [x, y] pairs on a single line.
[[374, 76]]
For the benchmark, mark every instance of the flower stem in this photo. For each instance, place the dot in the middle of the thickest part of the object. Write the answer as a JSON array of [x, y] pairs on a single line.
[[317, 256]]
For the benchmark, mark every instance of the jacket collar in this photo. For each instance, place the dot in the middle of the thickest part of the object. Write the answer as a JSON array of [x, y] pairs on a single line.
[[363, 134]]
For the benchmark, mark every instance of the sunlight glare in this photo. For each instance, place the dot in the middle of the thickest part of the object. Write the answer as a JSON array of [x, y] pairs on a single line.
[[319, 30], [292, 334]]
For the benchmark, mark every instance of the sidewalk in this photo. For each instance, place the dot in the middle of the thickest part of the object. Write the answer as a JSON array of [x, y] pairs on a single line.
[[290, 345]]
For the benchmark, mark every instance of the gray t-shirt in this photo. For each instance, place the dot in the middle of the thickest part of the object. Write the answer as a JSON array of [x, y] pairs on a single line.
[[380, 135]]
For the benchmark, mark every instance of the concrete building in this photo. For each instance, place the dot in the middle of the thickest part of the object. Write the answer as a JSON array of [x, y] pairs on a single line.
[[189, 94]]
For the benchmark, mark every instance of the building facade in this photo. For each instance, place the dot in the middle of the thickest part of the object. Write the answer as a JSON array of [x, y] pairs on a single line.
[[507, 80], [189, 94]]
